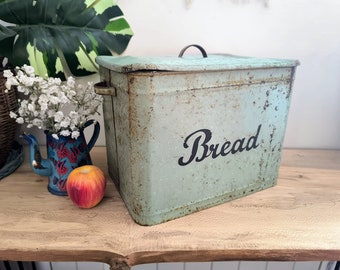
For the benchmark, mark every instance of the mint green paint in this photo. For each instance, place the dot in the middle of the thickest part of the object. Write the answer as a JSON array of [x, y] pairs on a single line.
[[184, 134], [190, 63]]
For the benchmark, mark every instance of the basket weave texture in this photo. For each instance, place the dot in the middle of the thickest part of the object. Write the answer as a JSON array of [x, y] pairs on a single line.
[[8, 126]]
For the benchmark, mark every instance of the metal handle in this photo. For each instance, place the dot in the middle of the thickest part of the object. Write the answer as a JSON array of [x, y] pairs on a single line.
[[204, 54], [102, 88]]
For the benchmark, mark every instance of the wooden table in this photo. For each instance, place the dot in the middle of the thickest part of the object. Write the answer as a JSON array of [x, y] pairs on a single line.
[[299, 219]]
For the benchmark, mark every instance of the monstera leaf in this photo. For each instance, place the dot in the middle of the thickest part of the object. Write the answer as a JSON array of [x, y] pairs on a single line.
[[61, 37]]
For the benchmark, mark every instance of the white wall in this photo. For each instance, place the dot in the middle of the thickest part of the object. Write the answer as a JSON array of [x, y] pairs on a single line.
[[307, 30]]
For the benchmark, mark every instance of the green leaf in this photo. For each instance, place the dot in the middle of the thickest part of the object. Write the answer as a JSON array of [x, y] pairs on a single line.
[[63, 35], [6, 32], [117, 26], [36, 59]]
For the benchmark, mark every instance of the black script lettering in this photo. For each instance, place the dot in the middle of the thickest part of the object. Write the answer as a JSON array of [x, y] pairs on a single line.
[[200, 149], [251, 144], [202, 133], [225, 146], [213, 148], [238, 146]]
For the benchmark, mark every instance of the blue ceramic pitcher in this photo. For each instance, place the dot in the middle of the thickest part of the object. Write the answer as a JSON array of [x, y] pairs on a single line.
[[63, 155]]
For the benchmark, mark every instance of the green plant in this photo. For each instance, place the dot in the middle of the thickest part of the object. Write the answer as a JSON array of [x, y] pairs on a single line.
[[61, 38]]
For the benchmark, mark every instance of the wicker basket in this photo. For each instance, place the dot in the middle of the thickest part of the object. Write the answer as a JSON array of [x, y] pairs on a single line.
[[8, 126]]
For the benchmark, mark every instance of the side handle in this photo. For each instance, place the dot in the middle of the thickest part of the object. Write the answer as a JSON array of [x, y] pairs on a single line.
[[102, 88]]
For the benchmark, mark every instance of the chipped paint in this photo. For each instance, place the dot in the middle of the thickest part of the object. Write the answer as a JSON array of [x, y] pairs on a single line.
[[232, 120]]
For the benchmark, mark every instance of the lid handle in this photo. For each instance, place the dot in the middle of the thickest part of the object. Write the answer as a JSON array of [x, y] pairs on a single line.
[[204, 54]]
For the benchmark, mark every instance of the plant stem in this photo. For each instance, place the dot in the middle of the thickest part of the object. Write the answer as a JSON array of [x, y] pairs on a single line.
[[63, 61]]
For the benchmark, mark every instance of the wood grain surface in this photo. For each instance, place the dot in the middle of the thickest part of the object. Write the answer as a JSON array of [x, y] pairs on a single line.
[[298, 219]]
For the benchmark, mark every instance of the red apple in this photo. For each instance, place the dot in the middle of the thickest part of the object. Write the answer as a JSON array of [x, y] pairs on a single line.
[[86, 185]]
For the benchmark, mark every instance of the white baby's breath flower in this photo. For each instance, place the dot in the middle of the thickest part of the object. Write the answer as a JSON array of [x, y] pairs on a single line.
[[52, 90], [75, 134], [28, 70], [55, 100], [20, 120], [65, 133], [71, 93], [43, 99], [56, 126], [33, 97], [58, 116], [13, 114], [65, 123], [44, 87], [22, 110], [51, 113], [31, 107], [58, 107], [23, 89], [63, 98], [27, 81], [20, 73], [11, 81], [71, 82], [24, 103], [37, 122], [44, 108], [8, 73]]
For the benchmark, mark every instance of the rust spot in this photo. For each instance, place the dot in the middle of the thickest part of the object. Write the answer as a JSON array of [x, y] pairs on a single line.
[[272, 135], [137, 209], [266, 105], [131, 79], [133, 115]]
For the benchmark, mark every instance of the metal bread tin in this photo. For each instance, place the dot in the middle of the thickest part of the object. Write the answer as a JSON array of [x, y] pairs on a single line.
[[190, 132]]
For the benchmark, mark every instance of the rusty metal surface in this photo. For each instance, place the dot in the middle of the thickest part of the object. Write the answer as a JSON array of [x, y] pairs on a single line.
[[185, 140], [214, 62]]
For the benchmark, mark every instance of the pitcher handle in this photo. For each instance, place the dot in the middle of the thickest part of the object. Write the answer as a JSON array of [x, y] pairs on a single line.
[[95, 134]]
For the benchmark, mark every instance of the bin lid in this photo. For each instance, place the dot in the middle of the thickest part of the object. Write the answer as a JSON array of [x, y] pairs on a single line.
[[211, 62]]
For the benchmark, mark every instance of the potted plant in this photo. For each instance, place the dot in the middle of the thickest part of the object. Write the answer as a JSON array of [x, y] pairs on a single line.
[[49, 41], [61, 38], [63, 110]]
